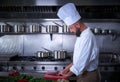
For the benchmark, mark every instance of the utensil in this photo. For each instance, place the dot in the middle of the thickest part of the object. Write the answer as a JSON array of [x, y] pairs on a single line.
[[34, 28], [6, 57], [65, 29], [42, 54], [46, 49], [19, 28], [58, 55], [51, 29], [105, 31], [57, 24], [97, 31]]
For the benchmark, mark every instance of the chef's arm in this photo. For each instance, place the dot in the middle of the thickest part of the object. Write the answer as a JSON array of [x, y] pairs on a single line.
[[69, 73], [66, 70], [68, 67], [83, 57]]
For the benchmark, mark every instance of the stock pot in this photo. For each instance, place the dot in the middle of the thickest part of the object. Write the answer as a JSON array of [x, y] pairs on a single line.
[[42, 54], [51, 29], [4, 28], [105, 31], [97, 31], [59, 55], [19, 28], [65, 29], [34, 28]]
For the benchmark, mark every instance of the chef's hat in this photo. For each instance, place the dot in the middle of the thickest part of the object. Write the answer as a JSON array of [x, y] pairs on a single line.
[[68, 14]]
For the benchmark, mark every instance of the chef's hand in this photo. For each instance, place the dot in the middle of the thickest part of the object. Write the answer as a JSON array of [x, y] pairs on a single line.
[[63, 72]]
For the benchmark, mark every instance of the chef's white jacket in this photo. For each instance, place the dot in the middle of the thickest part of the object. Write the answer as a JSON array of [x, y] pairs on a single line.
[[85, 56]]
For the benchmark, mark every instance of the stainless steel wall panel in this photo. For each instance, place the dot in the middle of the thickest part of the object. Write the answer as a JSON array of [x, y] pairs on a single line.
[[28, 44], [11, 44], [34, 43], [68, 42]]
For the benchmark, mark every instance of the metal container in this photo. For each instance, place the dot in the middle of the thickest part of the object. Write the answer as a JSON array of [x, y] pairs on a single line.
[[57, 55], [34, 28], [52, 29], [92, 30], [1, 29], [42, 54], [65, 29], [19, 29], [4, 28], [104, 31], [63, 54], [97, 31]]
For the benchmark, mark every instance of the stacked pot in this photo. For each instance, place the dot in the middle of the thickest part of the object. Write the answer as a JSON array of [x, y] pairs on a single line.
[[5, 29], [34, 28], [57, 55], [51, 29], [42, 54]]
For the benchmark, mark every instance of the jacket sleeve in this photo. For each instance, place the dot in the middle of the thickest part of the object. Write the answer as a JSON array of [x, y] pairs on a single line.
[[82, 51]]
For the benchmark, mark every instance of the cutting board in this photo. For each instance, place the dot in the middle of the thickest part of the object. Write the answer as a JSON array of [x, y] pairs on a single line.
[[54, 76]]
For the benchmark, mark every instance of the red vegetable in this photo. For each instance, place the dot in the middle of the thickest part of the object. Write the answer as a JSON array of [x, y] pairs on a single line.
[[54, 76], [23, 80], [13, 73]]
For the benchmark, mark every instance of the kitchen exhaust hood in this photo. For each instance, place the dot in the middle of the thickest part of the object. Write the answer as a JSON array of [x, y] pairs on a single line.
[[39, 9], [57, 2]]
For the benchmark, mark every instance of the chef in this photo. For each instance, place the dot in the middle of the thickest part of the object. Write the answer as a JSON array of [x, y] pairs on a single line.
[[85, 55]]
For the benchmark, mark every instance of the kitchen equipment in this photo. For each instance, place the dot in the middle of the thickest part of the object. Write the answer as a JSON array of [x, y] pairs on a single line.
[[51, 29], [1, 28], [19, 28], [46, 49], [97, 31], [108, 57], [59, 55], [33, 65], [4, 28], [57, 24], [9, 27], [65, 29], [110, 31], [34, 28], [105, 31], [92, 30], [6, 57], [42, 54], [54, 76]]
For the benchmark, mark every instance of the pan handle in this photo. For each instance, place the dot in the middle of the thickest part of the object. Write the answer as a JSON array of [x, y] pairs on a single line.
[[46, 49], [8, 24], [42, 25], [57, 24]]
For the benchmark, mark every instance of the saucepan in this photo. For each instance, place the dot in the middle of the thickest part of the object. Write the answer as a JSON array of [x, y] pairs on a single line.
[[65, 29], [34, 28], [5, 28], [42, 54], [97, 31], [19, 28], [52, 29], [58, 55]]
